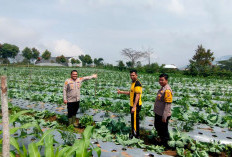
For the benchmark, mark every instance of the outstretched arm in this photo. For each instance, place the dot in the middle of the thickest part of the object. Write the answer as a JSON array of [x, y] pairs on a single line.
[[88, 77], [123, 92]]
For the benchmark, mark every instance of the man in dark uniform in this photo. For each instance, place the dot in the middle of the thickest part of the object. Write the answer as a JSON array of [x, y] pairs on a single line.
[[162, 109], [135, 102]]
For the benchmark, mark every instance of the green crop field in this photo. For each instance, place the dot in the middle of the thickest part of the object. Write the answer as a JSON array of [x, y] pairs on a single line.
[[198, 101]]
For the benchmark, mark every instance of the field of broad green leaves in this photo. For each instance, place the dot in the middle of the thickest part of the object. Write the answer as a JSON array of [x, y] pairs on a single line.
[[201, 123]]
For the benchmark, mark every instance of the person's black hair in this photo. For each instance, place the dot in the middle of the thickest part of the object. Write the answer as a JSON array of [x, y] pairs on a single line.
[[133, 70], [73, 71], [165, 76]]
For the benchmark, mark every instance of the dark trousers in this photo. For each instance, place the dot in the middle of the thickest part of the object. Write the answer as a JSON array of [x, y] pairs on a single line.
[[72, 108], [162, 128], [135, 121]]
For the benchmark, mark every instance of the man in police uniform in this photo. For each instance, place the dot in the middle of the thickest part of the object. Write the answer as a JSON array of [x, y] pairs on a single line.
[[71, 94], [162, 109], [135, 102]]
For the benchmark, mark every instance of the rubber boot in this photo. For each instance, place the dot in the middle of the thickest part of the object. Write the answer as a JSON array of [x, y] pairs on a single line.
[[70, 121], [74, 121]]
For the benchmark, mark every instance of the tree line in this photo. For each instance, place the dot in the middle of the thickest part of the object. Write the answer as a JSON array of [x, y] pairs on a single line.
[[201, 64], [11, 51]]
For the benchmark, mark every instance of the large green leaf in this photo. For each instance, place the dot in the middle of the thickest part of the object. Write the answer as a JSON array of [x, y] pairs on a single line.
[[48, 141], [14, 117], [47, 132], [80, 150], [179, 144], [33, 150], [14, 143], [62, 152], [12, 154], [88, 132], [180, 151], [24, 150], [87, 135], [172, 143], [98, 150], [25, 126]]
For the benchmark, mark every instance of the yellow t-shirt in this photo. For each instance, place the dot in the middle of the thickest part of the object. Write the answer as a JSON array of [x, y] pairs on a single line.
[[136, 88]]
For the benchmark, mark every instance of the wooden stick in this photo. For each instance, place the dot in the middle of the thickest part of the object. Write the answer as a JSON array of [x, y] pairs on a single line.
[[95, 85], [5, 118]]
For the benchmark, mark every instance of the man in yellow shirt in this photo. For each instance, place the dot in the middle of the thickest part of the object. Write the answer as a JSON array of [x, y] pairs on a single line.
[[162, 109], [135, 102]]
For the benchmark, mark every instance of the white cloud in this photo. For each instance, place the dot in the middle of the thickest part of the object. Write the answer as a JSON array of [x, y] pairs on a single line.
[[15, 32], [102, 28], [63, 47], [176, 7]]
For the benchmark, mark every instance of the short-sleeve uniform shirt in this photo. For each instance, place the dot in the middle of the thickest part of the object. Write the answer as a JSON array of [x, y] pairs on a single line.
[[164, 95], [136, 88]]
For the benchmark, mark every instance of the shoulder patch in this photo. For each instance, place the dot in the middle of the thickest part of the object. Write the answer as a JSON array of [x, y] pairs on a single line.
[[168, 96], [67, 81]]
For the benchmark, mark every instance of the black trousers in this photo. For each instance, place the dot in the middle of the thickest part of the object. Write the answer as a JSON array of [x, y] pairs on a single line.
[[162, 128], [72, 108], [135, 121]]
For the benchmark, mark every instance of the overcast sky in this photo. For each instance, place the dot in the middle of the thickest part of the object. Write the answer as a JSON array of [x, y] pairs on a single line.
[[102, 28]]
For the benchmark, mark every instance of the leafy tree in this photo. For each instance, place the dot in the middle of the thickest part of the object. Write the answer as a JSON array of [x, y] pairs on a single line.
[[85, 59], [152, 68], [61, 59], [133, 55], [121, 65], [226, 64], [98, 62], [8, 51], [201, 61], [46, 55], [129, 64], [82, 58], [73, 61], [88, 59], [35, 53], [78, 61], [138, 64], [27, 53]]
